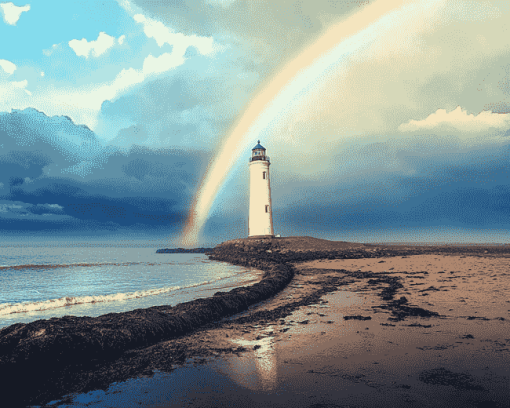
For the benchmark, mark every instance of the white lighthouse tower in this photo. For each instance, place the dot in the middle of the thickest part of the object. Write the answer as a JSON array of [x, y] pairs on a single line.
[[260, 221]]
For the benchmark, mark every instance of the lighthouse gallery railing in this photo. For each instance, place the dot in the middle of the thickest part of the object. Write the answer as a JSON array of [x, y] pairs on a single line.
[[255, 158]]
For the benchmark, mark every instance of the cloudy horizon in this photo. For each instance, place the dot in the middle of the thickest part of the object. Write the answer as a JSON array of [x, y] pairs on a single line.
[[110, 118]]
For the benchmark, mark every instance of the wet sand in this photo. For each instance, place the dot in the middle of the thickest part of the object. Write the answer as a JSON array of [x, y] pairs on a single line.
[[342, 335]]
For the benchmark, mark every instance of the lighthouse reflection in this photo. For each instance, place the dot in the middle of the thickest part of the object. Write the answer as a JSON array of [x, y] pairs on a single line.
[[256, 369]]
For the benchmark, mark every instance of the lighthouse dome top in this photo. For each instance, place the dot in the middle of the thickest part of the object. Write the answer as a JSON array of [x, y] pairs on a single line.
[[259, 146]]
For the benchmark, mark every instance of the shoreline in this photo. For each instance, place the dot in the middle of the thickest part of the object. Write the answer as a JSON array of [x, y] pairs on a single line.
[[45, 353], [56, 359]]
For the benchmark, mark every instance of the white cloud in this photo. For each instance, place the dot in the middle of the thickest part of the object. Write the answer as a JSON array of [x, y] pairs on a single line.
[[126, 5], [459, 120], [21, 209], [124, 80], [9, 91], [42, 73], [12, 13], [104, 42], [7, 66], [165, 62], [9, 207], [84, 48], [83, 104], [222, 3], [20, 84], [130, 77], [50, 51], [180, 42], [54, 206]]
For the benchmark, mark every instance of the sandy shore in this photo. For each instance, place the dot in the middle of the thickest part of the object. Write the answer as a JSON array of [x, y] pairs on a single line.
[[407, 326], [331, 340]]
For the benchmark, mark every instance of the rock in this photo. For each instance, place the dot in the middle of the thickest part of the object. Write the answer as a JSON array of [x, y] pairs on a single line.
[[357, 317]]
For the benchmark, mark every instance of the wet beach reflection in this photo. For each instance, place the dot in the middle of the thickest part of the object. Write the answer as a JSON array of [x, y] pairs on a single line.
[[254, 370]]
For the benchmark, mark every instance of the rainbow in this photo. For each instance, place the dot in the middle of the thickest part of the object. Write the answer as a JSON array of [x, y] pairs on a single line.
[[296, 81]]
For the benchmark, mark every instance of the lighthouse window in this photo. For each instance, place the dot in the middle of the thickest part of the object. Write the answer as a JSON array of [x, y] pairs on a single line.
[[264, 176], [267, 208]]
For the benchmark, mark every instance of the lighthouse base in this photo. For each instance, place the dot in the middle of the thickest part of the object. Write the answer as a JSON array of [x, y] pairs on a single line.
[[261, 236]]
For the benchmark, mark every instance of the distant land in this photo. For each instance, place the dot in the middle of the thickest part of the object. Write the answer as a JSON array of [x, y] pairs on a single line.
[[183, 250]]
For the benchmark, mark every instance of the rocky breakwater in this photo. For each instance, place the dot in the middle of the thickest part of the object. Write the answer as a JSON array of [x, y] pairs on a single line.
[[183, 251]]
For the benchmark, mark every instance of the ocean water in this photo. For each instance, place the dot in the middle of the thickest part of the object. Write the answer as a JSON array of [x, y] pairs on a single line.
[[39, 282]]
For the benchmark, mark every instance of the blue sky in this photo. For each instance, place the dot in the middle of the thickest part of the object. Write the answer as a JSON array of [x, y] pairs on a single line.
[[111, 111]]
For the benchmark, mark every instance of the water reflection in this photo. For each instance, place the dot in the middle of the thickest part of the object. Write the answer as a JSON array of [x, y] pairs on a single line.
[[305, 334], [256, 370]]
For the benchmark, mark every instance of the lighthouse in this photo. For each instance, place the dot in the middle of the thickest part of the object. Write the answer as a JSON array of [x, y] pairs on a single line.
[[260, 221]]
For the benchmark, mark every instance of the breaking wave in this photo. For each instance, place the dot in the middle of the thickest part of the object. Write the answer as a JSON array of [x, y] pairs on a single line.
[[27, 307]]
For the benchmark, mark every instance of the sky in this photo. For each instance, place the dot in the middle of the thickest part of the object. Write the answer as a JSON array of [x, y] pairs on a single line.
[[385, 121]]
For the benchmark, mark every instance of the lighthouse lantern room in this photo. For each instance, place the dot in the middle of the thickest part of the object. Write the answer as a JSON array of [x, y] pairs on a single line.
[[260, 221]]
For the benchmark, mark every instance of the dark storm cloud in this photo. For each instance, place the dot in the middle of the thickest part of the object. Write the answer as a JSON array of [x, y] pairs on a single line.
[[28, 163], [30, 127], [147, 190], [77, 202], [30, 141], [15, 181], [135, 134], [42, 186], [466, 189]]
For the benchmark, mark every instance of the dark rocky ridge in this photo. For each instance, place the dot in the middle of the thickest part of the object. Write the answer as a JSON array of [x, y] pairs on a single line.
[[38, 354], [183, 251]]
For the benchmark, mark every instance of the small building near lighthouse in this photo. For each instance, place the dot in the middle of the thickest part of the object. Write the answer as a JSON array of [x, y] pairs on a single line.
[[260, 219]]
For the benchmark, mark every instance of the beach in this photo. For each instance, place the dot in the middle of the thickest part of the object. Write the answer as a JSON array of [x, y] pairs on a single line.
[[355, 325], [353, 351]]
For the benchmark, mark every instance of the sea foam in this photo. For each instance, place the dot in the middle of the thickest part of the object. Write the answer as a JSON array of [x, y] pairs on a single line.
[[27, 307]]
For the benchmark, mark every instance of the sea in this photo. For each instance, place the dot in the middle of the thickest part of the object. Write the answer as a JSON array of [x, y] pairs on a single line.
[[41, 282]]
